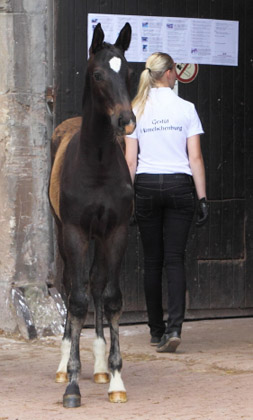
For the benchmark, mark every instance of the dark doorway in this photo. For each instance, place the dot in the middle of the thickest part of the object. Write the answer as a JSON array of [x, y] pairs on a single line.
[[219, 255]]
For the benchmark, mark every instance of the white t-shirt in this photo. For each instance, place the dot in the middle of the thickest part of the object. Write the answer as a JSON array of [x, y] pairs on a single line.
[[162, 133]]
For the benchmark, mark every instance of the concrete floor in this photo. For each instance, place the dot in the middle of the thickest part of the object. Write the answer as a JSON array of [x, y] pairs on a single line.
[[209, 378]]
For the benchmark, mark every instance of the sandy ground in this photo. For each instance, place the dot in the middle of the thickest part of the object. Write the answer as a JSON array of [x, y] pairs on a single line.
[[209, 378]]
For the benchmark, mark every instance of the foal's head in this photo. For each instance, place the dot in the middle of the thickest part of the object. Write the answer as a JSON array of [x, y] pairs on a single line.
[[108, 78]]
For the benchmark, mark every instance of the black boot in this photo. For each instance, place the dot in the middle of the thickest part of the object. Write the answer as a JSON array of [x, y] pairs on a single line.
[[169, 343]]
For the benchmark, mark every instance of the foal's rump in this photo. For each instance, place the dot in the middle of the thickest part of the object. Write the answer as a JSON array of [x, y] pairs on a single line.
[[64, 132], [62, 135]]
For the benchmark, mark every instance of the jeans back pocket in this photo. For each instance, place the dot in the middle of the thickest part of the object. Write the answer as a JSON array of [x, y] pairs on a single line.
[[143, 205]]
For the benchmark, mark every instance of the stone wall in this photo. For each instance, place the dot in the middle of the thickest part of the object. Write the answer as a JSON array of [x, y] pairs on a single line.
[[26, 240]]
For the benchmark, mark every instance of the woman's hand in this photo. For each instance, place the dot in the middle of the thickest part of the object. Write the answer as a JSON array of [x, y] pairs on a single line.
[[202, 212]]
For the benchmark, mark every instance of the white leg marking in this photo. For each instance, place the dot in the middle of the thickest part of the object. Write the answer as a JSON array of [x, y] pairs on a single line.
[[116, 383], [115, 64], [65, 353], [99, 352]]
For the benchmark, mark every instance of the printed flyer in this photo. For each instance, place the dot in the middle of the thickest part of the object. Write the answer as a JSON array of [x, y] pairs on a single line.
[[199, 41]]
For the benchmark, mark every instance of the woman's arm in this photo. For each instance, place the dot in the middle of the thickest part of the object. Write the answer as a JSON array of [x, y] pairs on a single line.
[[131, 155], [197, 165]]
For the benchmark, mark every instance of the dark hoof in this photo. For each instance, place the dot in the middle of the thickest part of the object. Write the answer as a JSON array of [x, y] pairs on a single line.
[[71, 401], [72, 396]]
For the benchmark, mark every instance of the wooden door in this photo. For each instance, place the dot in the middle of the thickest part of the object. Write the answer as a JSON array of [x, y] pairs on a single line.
[[219, 261]]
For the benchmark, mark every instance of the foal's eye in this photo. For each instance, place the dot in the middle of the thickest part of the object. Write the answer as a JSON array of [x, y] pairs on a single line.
[[97, 76]]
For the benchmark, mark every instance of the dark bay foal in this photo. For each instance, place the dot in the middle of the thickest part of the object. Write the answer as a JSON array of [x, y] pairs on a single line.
[[91, 196]]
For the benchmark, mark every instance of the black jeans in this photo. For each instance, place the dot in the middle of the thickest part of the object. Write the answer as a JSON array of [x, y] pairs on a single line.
[[164, 207]]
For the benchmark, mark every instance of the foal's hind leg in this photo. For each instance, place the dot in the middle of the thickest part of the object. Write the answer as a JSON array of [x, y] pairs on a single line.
[[98, 281], [113, 305]]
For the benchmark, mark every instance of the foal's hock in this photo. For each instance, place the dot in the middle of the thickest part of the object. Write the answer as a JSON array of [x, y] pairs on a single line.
[[91, 196]]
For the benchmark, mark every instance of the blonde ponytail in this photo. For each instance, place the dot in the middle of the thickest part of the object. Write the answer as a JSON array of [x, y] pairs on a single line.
[[144, 87], [156, 65]]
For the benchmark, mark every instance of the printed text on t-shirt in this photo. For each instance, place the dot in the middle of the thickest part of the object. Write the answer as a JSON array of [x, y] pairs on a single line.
[[161, 125]]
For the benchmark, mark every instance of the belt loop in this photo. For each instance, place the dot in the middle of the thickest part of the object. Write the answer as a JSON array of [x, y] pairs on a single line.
[[160, 178]]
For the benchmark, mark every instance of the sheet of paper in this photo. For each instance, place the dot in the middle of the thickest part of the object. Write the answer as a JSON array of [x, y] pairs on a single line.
[[187, 40], [176, 39]]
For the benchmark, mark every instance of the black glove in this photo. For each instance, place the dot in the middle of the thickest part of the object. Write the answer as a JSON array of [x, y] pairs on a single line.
[[132, 221], [202, 212]]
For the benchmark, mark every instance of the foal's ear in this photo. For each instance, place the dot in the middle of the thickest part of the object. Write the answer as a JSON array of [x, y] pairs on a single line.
[[124, 38], [97, 39]]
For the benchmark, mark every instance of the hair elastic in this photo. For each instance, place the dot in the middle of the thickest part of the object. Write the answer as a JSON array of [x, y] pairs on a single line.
[[149, 70]]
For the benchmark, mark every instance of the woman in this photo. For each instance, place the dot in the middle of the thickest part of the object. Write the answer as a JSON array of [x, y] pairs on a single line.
[[164, 158]]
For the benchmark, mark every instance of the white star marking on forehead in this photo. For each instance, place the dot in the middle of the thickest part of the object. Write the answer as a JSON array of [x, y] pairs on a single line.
[[115, 64]]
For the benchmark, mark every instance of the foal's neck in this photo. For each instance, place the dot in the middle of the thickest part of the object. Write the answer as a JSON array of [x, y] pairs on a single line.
[[96, 129]]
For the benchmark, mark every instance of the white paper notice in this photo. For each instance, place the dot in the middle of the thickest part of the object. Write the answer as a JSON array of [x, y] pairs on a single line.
[[199, 41], [225, 42], [151, 36], [176, 38]]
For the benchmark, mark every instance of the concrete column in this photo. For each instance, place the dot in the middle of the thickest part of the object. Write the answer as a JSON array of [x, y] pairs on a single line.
[[26, 240]]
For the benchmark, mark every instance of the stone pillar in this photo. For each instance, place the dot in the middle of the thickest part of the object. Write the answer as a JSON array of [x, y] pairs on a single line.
[[26, 239]]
